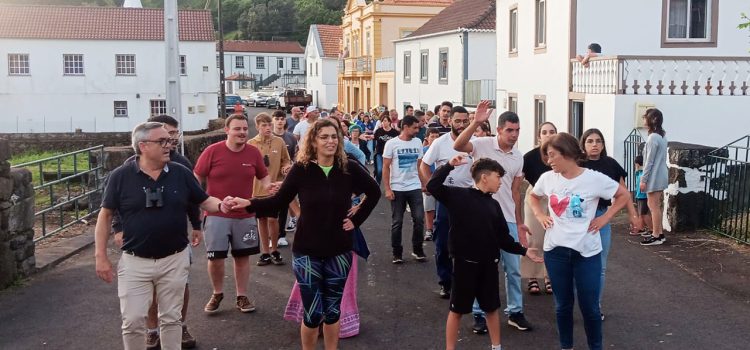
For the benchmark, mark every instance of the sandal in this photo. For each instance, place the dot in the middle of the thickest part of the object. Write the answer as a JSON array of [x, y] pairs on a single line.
[[534, 287], [548, 286]]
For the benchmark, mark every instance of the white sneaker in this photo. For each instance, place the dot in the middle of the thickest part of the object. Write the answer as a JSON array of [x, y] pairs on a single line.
[[283, 242], [292, 224]]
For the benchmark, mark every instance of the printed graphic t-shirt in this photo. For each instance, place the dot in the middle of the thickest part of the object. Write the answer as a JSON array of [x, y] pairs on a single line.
[[572, 206], [405, 156], [441, 151]]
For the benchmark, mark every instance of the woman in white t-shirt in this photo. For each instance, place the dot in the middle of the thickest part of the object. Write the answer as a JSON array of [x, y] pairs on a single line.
[[572, 245]]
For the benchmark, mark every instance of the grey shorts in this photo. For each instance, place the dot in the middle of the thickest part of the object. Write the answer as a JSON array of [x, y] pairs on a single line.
[[429, 202], [222, 233]]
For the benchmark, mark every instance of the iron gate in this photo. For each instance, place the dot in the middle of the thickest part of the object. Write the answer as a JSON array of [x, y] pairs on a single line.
[[728, 189], [633, 145]]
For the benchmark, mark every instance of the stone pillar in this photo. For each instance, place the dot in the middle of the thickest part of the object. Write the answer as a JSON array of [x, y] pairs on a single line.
[[685, 198], [16, 221]]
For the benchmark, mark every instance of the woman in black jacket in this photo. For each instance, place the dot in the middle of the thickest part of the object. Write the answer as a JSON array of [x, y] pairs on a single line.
[[324, 179]]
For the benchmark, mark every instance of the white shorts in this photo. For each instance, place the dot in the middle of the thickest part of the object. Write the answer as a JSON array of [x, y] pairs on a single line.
[[429, 202]]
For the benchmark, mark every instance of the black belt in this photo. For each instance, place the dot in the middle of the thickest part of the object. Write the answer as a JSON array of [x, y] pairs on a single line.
[[160, 256]]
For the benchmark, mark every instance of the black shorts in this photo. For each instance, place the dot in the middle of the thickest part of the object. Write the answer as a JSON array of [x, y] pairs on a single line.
[[474, 280], [268, 214], [642, 206]]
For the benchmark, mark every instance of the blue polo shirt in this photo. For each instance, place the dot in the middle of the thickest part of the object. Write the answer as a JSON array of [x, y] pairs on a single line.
[[152, 232]]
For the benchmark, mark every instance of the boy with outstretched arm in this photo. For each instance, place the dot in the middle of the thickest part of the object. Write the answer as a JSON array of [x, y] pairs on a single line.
[[478, 231]]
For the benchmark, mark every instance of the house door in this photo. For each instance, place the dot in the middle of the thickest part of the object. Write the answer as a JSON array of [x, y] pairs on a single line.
[[575, 122], [368, 105], [383, 94], [355, 104]]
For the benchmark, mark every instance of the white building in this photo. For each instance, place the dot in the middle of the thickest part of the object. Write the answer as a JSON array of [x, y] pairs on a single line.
[[265, 63], [449, 58], [322, 55], [100, 69], [685, 57]]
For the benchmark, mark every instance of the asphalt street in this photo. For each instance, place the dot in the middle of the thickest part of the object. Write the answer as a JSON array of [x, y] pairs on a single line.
[[650, 302]]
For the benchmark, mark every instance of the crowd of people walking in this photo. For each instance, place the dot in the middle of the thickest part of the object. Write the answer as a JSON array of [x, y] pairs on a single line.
[[544, 215]]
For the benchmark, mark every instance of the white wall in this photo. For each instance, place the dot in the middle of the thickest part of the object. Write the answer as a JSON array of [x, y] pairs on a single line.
[[531, 73], [482, 56], [634, 28], [321, 82], [48, 101], [271, 66], [433, 92]]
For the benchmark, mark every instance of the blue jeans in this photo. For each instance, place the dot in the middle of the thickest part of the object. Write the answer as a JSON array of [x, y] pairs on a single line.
[[378, 168], [440, 236], [512, 269], [606, 234], [571, 274], [398, 206], [371, 147]]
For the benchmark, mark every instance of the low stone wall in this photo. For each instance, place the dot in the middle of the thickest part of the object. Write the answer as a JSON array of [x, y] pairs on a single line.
[[16, 221]]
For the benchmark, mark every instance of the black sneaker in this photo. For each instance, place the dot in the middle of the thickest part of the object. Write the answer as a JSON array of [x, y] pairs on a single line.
[[480, 325], [397, 259], [265, 259], [445, 292], [653, 240], [276, 258], [419, 255], [519, 321], [646, 234]]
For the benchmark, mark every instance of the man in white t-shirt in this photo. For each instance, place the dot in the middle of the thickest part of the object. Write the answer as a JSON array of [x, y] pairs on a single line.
[[311, 115], [402, 184], [503, 150], [438, 154]]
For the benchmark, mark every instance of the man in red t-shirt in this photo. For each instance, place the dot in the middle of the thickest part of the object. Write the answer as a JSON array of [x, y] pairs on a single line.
[[228, 168]]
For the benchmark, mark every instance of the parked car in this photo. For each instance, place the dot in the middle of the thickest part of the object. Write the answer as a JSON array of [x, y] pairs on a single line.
[[257, 99], [231, 100], [275, 100]]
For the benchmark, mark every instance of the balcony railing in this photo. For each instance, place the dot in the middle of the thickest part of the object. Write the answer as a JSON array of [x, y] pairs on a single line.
[[355, 65], [662, 75], [477, 90], [385, 64]]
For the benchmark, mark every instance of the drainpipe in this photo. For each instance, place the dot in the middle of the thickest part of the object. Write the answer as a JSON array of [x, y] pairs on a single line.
[[465, 72]]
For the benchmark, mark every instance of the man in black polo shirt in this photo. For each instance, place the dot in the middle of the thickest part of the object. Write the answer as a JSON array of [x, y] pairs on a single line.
[[152, 196]]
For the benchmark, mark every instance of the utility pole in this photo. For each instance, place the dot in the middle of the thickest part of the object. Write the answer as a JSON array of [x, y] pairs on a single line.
[[222, 92], [172, 62]]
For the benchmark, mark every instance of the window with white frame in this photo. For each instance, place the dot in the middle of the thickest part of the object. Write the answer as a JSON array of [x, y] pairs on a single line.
[[158, 107], [310, 71], [260, 62], [424, 61], [513, 31], [443, 65], [121, 109], [513, 103], [18, 64], [540, 111], [689, 20], [540, 28], [295, 62], [316, 69], [125, 64], [407, 67], [367, 42], [575, 123], [279, 62], [73, 64], [239, 62], [183, 65]]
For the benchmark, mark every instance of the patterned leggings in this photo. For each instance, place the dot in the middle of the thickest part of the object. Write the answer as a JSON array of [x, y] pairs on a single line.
[[321, 283]]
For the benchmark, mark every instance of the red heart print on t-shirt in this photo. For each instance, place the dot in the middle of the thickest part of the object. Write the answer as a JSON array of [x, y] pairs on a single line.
[[558, 206]]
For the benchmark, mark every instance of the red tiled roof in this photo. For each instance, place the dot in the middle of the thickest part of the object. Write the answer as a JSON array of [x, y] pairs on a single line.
[[240, 77], [262, 46], [329, 36], [419, 2], [99, 23], [468, 14]]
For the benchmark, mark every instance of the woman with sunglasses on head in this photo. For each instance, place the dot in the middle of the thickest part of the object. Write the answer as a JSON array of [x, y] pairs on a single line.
[[595, 149], [325, 180], [533, 168]]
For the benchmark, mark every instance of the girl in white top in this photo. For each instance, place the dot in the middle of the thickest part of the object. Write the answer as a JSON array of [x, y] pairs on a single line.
[[572, 244]]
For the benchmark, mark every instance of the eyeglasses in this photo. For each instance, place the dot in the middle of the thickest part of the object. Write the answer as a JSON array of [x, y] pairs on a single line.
[[164, 142]]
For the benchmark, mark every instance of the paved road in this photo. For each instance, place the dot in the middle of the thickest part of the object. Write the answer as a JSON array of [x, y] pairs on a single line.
[[650, 302]]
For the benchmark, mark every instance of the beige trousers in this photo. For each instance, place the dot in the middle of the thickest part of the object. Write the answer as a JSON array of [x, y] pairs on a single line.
[[530, 269], [136, 280]]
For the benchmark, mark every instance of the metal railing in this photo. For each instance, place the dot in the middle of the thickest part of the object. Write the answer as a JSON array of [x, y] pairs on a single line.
[[728, 189], [662, 75], [477, 90], [633, 148], [60, 186], [361, 65], [385, 64]]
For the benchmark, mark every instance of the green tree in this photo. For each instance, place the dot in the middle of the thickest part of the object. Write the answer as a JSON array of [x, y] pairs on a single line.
[[317, 12], [268, 20]]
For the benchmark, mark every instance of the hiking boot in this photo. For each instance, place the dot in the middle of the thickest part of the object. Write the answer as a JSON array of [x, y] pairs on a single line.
[[653, 240], [244, 304], [188, 341], [213, 303], [276, 258], [152, 340], [445, 292], [265, 259], [519, 321], [397, 259], [480, 325], [428, 235], [283, 242], [419, 255]]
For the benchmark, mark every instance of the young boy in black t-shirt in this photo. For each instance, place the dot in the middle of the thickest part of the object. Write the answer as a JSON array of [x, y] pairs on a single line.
[[477, 234]]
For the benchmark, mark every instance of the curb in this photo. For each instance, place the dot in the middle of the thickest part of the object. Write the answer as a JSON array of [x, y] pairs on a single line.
[[51, 256]]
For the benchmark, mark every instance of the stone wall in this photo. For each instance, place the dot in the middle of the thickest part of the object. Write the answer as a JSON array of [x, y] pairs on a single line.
[[16, 221]]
